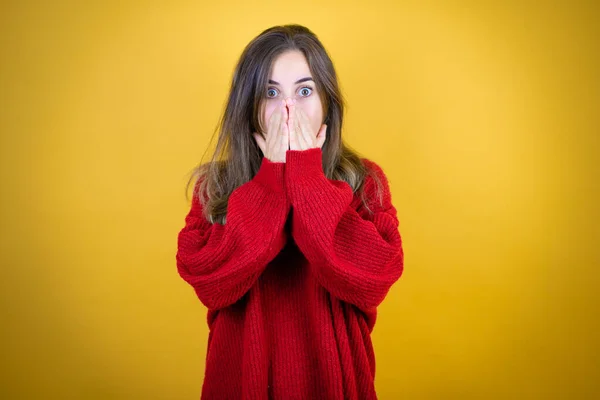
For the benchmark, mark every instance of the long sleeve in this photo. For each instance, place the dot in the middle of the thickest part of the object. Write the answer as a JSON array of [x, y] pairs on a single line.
[[222, 262], [355, 256]]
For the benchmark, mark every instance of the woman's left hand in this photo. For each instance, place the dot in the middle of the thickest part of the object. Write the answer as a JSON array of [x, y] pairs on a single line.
[[300, 132]]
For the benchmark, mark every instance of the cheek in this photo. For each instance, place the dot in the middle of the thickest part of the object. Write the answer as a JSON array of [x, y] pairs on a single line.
[[312, 108]]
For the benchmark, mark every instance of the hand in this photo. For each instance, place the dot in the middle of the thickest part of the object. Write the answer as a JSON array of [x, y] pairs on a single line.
[[277, 141], [300, 131]]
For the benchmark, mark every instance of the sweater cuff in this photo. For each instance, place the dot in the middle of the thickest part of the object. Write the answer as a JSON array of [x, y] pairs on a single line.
[[301, 164], [271, 175]]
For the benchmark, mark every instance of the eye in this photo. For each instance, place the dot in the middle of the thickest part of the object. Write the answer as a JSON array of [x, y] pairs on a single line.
[[271, 90], [304, 90]]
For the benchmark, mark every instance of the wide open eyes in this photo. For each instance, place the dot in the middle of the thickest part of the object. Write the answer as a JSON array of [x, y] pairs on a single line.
[[304, 91]]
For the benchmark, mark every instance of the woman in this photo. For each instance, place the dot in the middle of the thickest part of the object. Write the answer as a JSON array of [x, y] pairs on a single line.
[[292, 240]]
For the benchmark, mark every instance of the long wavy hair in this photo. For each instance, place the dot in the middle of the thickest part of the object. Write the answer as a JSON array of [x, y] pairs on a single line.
[[237, 157]]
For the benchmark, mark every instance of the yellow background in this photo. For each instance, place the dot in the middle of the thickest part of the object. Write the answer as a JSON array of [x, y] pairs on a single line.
[[484, 117]]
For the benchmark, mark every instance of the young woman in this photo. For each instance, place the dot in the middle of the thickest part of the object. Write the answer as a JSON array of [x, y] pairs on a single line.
[[291, 241]]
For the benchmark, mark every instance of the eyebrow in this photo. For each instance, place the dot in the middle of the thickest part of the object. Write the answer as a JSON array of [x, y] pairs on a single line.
[[308, 78]]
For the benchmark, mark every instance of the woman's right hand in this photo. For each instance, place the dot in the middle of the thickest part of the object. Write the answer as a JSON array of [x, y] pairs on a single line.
[[275, 145]]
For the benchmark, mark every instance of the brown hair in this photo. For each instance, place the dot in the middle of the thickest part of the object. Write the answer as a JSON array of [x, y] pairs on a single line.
[[237, 156]]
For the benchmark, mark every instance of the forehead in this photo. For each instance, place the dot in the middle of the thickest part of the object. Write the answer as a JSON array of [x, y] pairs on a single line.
[[289, 67]]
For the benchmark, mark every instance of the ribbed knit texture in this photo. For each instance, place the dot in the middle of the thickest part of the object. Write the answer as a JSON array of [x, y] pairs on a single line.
[[292, 282]]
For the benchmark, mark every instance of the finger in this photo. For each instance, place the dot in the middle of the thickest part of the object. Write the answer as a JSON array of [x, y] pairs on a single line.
[[292, 128], [284, 118], [282, 133], [284, 143], [292, 118], [293, 137], [275, 115], [322, 135], [277, 119], [303, 135], [305, 123], [274, 122]]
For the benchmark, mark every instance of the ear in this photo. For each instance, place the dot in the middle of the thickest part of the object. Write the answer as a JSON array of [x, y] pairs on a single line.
[[322, 135]]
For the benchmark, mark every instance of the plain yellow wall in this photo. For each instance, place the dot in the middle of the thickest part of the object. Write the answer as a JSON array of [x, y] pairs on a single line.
[[484, 117]]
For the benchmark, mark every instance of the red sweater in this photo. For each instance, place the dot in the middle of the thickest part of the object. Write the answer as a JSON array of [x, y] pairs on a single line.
[[292, 301]]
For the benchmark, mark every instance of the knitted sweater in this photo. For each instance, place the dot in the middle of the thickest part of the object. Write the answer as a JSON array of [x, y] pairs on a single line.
[[292, 281]]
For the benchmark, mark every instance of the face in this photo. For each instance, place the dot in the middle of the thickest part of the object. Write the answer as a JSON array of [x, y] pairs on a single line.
[[291, 78]]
